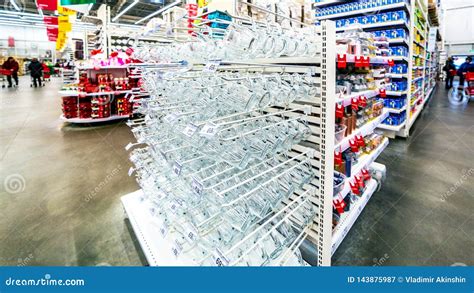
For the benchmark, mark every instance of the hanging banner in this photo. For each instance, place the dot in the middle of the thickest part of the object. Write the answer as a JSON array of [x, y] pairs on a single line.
[[65, 11], [82, 8], [75, 2], [50, 5], [50, 20]]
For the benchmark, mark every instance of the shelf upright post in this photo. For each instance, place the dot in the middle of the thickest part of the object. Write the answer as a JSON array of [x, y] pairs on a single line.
[[328, 102], [406, 129]]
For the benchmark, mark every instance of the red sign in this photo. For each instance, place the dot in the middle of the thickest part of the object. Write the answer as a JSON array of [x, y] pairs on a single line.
[[11, 42], [50, 20], [50, 5]]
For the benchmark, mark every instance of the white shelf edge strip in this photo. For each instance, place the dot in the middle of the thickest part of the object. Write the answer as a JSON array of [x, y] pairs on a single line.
[[346, 223], [156, 249], [363, 162]]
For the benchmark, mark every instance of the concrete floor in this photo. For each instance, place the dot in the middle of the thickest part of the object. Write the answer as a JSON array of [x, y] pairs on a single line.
[[60, 189]]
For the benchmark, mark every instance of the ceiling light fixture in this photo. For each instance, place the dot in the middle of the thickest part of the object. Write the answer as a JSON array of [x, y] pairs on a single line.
[[15, 5], [125, 10], [159, 11]]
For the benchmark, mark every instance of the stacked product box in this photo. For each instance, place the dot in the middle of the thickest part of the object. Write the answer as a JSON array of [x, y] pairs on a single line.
[[395, 119], [354, 6], [392, 33], [371, 19], [395, 103]]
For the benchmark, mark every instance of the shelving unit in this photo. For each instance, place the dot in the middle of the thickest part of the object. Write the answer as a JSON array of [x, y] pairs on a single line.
[[420, 74], [84, 107], [320, 110]]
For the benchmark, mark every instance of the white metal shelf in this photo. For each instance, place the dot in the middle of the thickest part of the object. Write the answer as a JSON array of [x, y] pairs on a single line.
[[76, 93], [368, 128], [370, 10], [398, 75], [345, 100], [396, 93], [348, 218], [94, 120], [156, 249], [394, 128], [396, 111], [374, 25]]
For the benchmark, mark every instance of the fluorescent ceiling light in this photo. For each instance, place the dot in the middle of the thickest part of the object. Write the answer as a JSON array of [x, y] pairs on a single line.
[[159, 11], [15, 5], [125, 10]]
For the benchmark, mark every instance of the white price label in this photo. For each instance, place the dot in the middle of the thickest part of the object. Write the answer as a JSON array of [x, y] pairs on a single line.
[[170, 118], [211, 66], [174, 207], [197, 187], [191, 233], [209, 130], [176, 248], [177, 168], [163, 230], [130, 171], [219, 259], [190, 130]]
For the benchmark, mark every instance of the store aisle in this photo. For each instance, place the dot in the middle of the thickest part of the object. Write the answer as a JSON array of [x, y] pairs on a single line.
[[61, 185], [424, 213]]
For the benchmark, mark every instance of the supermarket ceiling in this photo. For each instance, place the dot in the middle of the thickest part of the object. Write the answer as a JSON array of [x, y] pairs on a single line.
[[130, 10]]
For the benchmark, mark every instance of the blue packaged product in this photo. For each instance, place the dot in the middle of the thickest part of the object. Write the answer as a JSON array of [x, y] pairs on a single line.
[[373, 19], [364, 19]]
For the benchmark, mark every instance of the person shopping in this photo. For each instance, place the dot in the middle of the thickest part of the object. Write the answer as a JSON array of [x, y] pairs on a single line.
[[450, 69], [36, 71], [463, 69], [12, 65]]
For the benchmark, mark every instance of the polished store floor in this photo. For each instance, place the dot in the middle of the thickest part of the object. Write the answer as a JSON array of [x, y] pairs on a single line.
[[60, 189]]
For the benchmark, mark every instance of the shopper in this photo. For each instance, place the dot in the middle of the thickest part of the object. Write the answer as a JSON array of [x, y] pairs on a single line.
[[12, 65], [463, 69], [450, 70], [36, 71]]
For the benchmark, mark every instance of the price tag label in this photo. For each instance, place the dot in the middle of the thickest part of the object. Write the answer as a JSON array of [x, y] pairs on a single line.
[[177, 168], [191, 233], [176, 248], [163, 230], [209, 130], [128, 146], [197, 187], [190, 130], [130, 171], [211, 66], [219, 259], [170, 118], [174, 206]]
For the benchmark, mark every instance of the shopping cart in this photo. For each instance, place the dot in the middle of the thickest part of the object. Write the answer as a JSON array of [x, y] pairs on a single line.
[[46, 74], [469, 89], [3, 76]]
